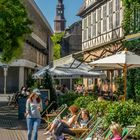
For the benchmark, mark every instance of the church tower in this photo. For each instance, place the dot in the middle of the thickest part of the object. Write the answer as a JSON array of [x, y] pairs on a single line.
[[59, 22]]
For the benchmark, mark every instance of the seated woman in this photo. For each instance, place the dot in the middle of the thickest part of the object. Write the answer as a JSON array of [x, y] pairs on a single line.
[[62, 126], [116, 130], [84, 119]]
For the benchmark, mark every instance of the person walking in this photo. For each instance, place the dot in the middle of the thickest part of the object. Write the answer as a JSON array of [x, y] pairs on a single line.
[[33, 117]]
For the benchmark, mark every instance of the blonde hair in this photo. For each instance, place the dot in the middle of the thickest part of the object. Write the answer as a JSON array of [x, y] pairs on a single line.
[[115, 127], [100, 99]]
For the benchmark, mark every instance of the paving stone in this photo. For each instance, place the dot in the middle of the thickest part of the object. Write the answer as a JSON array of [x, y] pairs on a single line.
[[10, 127]]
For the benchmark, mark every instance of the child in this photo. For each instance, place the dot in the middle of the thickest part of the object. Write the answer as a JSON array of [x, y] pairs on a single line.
[[117, 131]]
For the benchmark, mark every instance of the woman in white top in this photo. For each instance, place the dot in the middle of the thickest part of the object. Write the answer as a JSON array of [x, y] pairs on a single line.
[[62, 126]]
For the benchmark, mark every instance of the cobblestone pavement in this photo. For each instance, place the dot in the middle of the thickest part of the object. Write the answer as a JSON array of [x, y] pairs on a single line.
[[10, 127]]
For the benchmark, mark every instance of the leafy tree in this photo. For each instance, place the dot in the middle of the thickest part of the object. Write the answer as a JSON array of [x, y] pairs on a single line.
[[119, 84], [30, 81], [131, 13], [68, 98], [131, 25], [48, 84], [56, 38], [14, 25]]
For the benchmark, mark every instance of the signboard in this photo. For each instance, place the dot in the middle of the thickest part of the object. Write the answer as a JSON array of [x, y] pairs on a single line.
[[45, 93]]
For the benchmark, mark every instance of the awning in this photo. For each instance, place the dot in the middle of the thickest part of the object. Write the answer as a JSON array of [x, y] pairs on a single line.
[[68, 67], [60, 73]]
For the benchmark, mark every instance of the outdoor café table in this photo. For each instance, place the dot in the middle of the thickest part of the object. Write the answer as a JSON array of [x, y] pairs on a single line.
[[79, 131]]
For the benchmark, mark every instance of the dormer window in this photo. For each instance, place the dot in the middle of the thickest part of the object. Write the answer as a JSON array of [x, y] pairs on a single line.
[[89, 2]]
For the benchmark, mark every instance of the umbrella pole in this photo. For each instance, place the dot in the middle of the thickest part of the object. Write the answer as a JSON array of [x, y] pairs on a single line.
[[125, 78]]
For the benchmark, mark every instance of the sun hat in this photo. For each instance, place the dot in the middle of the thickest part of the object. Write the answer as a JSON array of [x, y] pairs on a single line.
[[36, 91]]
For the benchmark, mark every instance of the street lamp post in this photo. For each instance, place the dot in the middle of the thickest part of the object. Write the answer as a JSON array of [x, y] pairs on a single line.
[[5, 68]]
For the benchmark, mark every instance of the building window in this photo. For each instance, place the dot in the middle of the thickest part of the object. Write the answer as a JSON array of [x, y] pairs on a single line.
[[117, 19], [99, 21], [85, 29], [90, 81], [89, 26], [110, 15], [117, 5], [58, 13], [94, 24], [37, 57], [104, 18], [85, 23], [85, 35]]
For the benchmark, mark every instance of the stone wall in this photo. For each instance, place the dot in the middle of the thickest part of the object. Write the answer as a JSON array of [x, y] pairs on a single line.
[[38, 25], [72, 41], [32, 50], [32, 54]]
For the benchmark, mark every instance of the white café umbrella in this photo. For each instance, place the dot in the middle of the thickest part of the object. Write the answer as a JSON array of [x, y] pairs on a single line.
[[122, 60]]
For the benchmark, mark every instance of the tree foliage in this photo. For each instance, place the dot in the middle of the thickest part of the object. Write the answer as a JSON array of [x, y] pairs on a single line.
[[30, 82], [47, 83], [14, 25], [125, 113], [56, 38], [131, 15], [131, 25]]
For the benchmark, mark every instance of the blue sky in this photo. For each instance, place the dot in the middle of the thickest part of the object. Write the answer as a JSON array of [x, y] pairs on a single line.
[[71, 8]]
